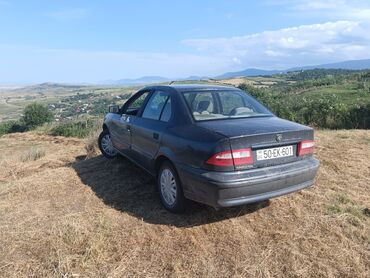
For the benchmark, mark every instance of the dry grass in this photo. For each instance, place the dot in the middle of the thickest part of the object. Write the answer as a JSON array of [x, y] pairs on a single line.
[[32, 154], [253, 81], [91, 144], [65, 215]]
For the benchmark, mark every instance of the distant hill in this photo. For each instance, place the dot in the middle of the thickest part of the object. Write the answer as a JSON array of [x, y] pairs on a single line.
[[141, 80], [150, 80], [348, 65], [47, 88], [248, 72]]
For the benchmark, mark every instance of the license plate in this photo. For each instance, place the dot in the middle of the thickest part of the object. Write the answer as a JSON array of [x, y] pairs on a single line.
[[274, 153]]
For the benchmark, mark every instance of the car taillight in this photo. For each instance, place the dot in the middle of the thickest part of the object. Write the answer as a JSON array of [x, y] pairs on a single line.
[[306, 147], [231, 158]]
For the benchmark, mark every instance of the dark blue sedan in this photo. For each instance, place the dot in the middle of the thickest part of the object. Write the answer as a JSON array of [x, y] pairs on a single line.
[[215, 145]]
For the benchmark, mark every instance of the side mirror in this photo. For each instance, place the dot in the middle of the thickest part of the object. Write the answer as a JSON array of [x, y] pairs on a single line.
[[113, 109]]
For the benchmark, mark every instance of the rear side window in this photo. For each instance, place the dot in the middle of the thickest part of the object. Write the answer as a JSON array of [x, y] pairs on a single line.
[[167, 111], [228, 104], [155, 105]]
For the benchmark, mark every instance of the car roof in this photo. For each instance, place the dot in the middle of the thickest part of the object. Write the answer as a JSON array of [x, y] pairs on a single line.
[[192, 87]]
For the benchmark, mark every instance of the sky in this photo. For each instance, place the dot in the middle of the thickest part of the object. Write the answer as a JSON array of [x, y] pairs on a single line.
[[94, 41]]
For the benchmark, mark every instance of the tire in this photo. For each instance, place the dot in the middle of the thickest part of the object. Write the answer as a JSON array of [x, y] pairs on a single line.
[[170, 189], [105, 145]]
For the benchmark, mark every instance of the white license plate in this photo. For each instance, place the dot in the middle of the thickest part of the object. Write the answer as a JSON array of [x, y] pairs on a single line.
[[274, 153]]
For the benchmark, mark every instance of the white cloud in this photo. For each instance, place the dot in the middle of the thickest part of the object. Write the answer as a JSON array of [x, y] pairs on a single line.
[[302, 45], [68, 14], [237, 61]]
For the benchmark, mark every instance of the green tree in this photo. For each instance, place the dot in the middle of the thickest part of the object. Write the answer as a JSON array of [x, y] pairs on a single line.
[[35, 115]]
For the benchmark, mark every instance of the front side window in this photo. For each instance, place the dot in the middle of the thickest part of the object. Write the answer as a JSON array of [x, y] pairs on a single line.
[[155, 105], [134, 107], [228, 104]]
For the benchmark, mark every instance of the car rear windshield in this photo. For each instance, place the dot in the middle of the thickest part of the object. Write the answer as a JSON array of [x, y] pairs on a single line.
[[228, 104]]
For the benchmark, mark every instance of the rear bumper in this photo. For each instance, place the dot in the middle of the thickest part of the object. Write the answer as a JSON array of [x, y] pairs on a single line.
[[225, 189]]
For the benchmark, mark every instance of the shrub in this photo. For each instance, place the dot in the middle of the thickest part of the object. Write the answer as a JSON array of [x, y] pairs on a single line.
[[359, 116], [324, 112], [11, 127], [35, 115], [80, 129]]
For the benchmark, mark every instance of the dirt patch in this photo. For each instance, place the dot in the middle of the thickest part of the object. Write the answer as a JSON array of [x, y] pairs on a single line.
[[68, 214]]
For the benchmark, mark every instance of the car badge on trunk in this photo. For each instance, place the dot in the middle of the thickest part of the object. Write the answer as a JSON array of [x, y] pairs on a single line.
[[279, 137]]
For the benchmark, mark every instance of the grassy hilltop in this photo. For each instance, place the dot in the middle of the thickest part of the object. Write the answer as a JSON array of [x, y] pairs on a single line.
[[67, 212]]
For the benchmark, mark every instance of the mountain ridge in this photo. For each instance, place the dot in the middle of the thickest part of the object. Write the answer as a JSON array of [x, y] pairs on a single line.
[[152, 79], [349, 65]]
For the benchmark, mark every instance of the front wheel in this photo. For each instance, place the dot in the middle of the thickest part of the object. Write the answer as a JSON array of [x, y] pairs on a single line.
[[105, 145], [170, 190]]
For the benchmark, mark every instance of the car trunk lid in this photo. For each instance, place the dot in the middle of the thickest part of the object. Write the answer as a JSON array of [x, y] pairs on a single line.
[[262, 134]]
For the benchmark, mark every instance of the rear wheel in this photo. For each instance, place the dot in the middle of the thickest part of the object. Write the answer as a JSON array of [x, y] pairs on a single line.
[[105, 145], [170, 189]]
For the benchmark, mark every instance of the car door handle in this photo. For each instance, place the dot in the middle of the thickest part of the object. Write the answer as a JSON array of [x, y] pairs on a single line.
[[155, 136]]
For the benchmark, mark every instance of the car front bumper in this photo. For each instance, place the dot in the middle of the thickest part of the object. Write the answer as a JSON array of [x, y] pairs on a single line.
[[225, 189]]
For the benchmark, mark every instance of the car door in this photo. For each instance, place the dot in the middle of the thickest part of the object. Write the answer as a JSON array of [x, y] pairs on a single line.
[[147, 130], [120, 126]]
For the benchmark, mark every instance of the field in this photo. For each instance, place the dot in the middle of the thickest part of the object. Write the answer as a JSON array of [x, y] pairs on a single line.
[[66, 214], [65, 101]]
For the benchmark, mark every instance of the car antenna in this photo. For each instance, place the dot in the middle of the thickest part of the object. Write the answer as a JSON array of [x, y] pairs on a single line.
[[173, 81]]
